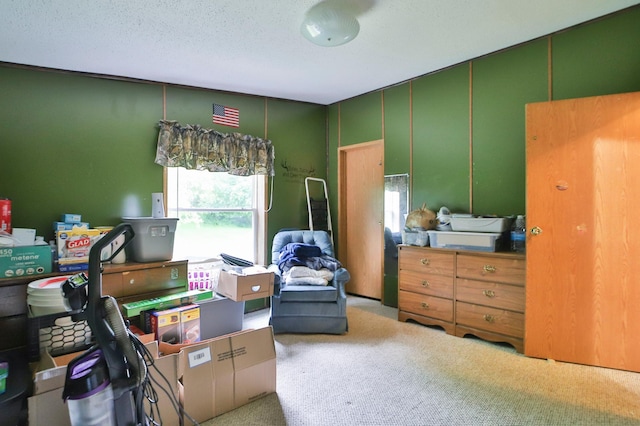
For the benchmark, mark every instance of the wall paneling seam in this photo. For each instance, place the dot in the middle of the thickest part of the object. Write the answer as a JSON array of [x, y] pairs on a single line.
[[339, 124], [549, 69], [471, 136], [410, 207], [164, 169], [382, 113]]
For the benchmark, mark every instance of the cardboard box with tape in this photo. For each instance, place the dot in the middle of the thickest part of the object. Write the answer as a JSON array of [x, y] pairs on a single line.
[[227, 372]]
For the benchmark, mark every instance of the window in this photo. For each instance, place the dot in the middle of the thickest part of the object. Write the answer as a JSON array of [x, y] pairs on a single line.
[[218, 212]]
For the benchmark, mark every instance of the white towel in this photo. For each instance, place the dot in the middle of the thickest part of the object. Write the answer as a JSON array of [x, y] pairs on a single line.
[[302, 275]]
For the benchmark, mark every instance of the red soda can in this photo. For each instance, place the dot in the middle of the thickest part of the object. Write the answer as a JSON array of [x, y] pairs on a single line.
[[5, 215]]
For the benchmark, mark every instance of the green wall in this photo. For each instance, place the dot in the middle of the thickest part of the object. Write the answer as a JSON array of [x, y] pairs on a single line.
[[397, 135], [599, 58], [460, 132], [75, 144], [502, 84], [300, 130], [440, 172]]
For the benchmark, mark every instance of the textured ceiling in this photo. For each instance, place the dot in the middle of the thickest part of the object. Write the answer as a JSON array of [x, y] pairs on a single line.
[[255, 46]]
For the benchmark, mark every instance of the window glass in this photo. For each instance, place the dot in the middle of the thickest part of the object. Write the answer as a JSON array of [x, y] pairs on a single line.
[[217, 213]]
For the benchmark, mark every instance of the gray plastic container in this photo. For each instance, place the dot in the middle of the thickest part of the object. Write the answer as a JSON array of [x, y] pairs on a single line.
[[154, 237]]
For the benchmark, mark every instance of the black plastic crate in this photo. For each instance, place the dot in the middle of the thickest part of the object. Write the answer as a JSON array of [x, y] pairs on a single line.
[[58, 334]]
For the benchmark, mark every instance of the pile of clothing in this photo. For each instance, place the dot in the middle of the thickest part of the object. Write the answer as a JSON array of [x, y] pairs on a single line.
[[304, 264]]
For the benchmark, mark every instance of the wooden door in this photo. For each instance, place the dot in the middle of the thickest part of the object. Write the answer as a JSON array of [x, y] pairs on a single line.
[[583, 201], [361, 194]]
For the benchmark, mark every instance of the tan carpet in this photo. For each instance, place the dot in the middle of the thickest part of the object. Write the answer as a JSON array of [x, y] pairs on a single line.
[[384, 372]]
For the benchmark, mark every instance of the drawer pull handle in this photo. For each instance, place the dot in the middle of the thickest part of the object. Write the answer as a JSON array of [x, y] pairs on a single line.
[[425, 283], [489, 293], [175, 273], [424, 261], [425, 305], [489, 268], [489, 318]]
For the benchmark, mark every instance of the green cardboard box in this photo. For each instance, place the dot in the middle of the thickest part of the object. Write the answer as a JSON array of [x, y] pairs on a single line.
[[24, 261]]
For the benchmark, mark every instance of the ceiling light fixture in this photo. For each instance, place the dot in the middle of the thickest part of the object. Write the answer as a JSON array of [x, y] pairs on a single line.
[[328, 25]]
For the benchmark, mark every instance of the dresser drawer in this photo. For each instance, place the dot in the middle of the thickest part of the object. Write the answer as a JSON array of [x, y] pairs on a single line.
[[502, 296], [418, 282], [490, 319], [133, 279], [156, 279], [426, 261], [498, 269], [429, 306], [112, 285]]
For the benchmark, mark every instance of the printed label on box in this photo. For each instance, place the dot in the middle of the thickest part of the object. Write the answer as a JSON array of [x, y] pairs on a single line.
[[199, 357], [24, 260]]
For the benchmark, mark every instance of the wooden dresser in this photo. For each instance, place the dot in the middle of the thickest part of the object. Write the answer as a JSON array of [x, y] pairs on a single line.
[[464, 292], [135, 281]]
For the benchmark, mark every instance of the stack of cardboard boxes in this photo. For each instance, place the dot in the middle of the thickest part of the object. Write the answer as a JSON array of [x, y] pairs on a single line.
[[209, 377]]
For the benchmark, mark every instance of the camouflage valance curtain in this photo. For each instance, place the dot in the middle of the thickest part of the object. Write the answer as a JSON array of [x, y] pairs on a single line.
[[193, 147]]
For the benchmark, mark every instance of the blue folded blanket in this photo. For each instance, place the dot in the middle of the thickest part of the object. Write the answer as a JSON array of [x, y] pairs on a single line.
[[300, 254], [300, 250]]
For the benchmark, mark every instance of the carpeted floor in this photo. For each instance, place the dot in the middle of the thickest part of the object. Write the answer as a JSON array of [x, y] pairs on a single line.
[[384, 372]]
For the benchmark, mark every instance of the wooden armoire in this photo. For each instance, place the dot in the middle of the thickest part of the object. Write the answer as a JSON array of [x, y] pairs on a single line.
[[583, 221]]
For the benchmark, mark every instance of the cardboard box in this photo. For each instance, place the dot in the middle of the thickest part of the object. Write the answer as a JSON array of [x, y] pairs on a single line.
[[74, 245], [246, 285], [190, 325], [65, 226], [71, 218], [24, 261], [166, 366], [73, 267], [165, 325], [46, 406], [227, 372], [176, 325]]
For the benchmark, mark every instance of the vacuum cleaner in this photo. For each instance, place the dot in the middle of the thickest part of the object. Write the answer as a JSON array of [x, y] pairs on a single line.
[[108, 384]]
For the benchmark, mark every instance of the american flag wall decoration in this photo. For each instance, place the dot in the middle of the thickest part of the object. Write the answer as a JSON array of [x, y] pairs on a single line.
[[226, 116]]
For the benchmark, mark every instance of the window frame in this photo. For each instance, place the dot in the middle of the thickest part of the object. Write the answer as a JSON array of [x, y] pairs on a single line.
[[259, 213]]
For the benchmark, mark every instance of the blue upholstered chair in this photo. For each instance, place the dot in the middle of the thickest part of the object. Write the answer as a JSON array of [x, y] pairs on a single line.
[[308, 308]]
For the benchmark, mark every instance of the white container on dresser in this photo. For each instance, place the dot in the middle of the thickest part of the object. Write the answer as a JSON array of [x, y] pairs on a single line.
[[464, 292]]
